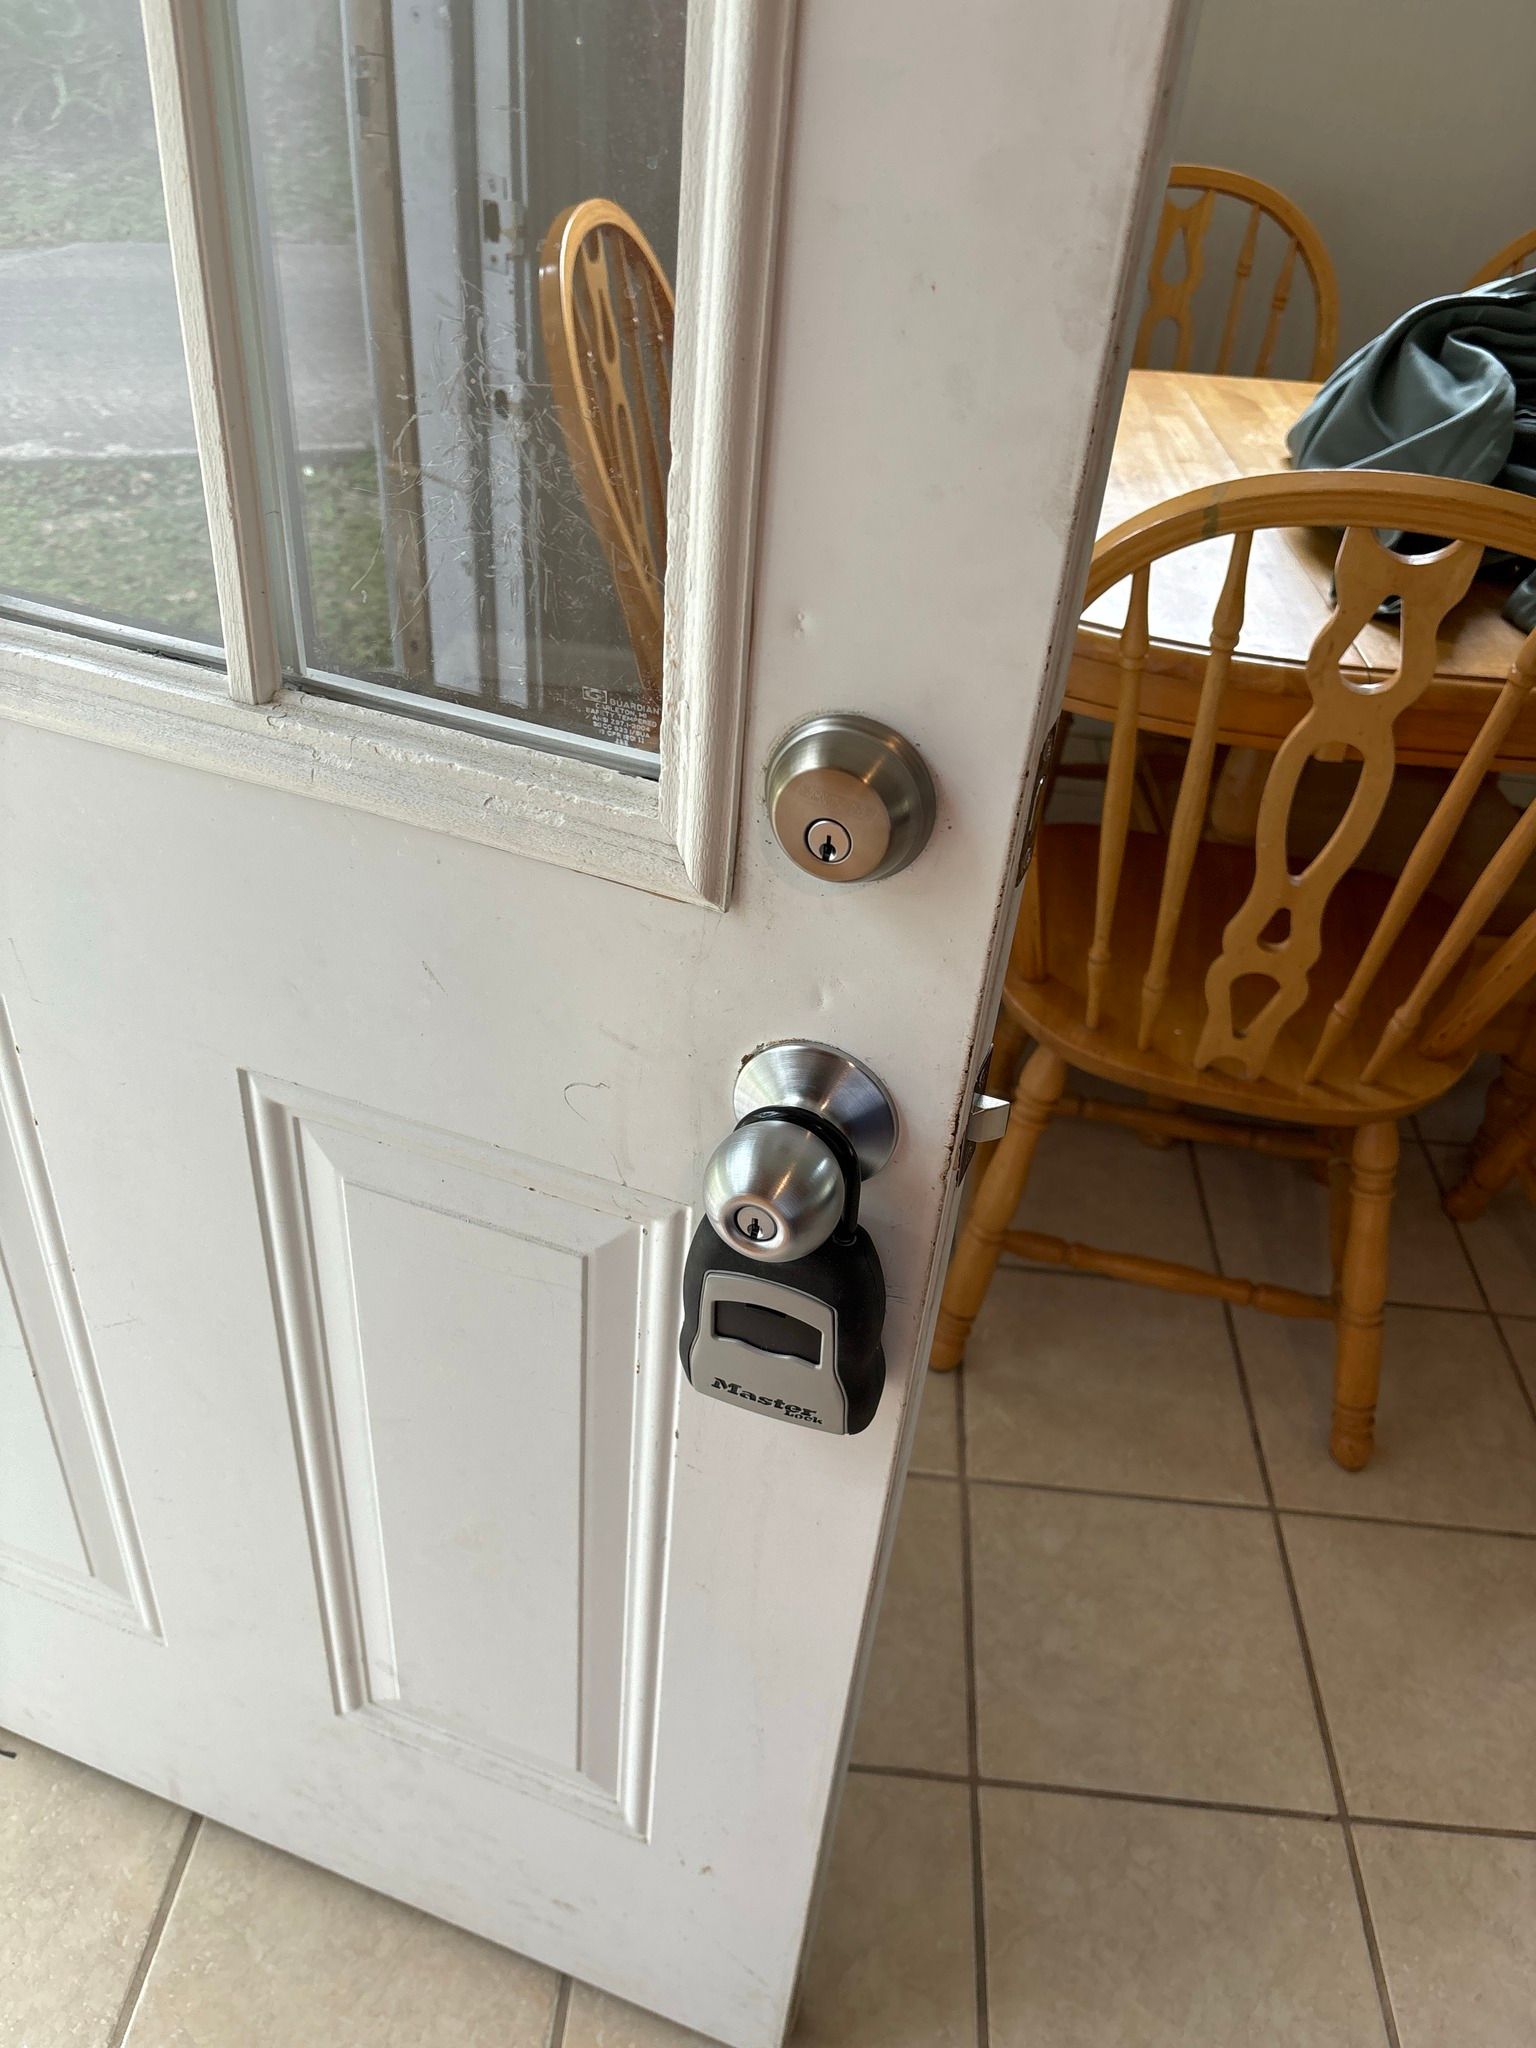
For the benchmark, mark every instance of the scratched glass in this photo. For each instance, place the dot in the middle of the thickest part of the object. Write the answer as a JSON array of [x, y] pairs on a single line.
[[474, 534], [101, 506]]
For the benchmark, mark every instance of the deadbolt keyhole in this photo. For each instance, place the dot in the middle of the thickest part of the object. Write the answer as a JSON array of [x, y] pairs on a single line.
[[828, 840]]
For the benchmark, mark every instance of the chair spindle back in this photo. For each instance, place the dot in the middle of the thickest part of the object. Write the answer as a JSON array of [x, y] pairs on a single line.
[[607, 315], [1182, 232], [1515, 256], [1275, 938]]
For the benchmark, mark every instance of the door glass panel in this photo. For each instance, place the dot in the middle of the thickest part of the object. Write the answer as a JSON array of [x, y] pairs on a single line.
[[101, 507], [475, 466]]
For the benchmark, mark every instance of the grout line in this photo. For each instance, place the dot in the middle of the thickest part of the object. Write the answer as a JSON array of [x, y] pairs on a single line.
[[1438, 1185], [1115, 1795], [127, 2011], [923, 1777], [1252, 1507], [1161, 1799], [1167, 1500], [1504, 1344], [1444, 1827], [972, 1742], [1357, 1875], [1407, 1522], [557, 2018], [1520, 1379]]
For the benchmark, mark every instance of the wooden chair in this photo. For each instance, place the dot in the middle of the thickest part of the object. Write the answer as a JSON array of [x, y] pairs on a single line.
[[1322, 1001], [1514, 257], [605, 308], [1505, 1146], [1182, 234]]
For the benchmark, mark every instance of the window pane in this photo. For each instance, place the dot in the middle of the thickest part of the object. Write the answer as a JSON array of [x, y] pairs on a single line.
[[101, 507], [462, 536]]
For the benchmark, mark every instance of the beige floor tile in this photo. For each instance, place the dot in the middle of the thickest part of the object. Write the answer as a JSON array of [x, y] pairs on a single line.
[[1105, 1187], [1074, 1381], [1501, 1243], [1521, 1337], [596, 2019], [1454, 1119], [936, 1447], [1139, 1647], [1111, 1925], [83, 1863], [1271, 1223], [1455, 1440], [1455, 1918], [914, 1711], [893, 1963], [262, 1951], [1425, 1647]]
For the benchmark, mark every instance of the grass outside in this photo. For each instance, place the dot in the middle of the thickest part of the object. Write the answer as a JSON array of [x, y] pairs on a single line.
[[48, 200], [129, 540], [48, 204], [77, 146]]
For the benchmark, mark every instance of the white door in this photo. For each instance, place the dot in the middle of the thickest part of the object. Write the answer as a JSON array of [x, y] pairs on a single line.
[[361, 1055]]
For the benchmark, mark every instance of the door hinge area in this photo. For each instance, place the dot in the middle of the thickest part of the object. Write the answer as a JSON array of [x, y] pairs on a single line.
[[1045, 777], [986, 1120]]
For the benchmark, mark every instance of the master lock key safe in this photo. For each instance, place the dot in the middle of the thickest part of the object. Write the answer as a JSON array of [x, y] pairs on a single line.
[[783, 1295]]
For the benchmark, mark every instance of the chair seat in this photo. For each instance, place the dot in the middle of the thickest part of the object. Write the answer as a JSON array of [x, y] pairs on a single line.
[[1053, 1010]]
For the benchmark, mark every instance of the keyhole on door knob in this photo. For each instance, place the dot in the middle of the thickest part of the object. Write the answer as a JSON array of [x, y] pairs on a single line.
[[828, 840], [756, 1223]]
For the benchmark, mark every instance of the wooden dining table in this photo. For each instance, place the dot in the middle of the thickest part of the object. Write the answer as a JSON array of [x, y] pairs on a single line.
[[1179, 431]]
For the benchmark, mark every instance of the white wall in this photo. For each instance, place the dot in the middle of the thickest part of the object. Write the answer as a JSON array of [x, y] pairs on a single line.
[[1405, 128]]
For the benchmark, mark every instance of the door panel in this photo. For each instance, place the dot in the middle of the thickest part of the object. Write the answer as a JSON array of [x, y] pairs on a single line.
[[480, 1346], [66, 1528], [37, 1518], [375, 1143]]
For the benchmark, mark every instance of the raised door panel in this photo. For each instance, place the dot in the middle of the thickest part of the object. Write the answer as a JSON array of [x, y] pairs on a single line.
[[478, 1358], [67, 1531], [37, 1520]]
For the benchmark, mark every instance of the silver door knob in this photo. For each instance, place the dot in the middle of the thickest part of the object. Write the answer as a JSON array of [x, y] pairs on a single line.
[[774, 1191], [777, 1187]]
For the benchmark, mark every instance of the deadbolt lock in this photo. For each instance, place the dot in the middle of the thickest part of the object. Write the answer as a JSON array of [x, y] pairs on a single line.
[[849, 799]]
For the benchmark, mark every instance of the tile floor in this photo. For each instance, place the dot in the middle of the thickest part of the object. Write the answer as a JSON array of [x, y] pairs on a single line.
[[1175, 1735]]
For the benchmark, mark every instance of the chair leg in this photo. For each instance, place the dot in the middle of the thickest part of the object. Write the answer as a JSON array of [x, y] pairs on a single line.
[[1156, 1139], [1338, 1178], [1362, 1290], [1512, 1091], [1494, 1168], [997, 1196], [1322, 1170], [1008, 1043]]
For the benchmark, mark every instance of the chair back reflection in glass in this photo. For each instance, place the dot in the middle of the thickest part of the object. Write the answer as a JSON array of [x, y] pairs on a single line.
[[606, 311]]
